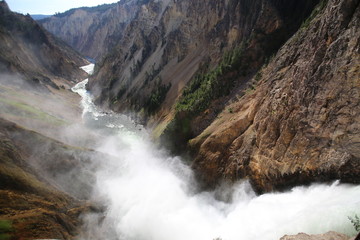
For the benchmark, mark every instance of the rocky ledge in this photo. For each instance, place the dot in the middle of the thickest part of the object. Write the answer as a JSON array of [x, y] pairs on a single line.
[[325, 236], [300, 121]]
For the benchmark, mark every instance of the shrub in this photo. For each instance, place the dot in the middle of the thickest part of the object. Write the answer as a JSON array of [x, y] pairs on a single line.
[[319, 8], [213, 84], [258, 76], [356, 222], [5, 229], [157, 97]]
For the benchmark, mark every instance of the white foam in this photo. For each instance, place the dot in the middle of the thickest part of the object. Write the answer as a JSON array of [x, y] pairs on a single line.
[[88, 68], [150, 197]]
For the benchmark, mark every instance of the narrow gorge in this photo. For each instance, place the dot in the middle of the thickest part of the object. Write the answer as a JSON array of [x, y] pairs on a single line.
[[172, 119]]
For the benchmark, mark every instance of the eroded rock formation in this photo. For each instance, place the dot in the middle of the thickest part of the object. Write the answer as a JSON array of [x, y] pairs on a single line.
[[194, 71], [325, 236], [33, 206], [36, 72], [301, 123], [31, 52], [93, 31], [169, 41]]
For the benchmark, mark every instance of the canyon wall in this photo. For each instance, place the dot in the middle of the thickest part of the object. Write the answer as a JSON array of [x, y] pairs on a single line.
[[196, 72], [265, 90], [169, 42], [92, 31], [299, 123], [31, 52], [36, 73]]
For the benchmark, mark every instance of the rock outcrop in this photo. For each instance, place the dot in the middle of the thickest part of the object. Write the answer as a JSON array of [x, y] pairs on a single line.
[[33, 206], [325, 236], [168, 42], [68, 168], [300, 123], [93, 31], [195, 72], [36, 72], [29, 51]]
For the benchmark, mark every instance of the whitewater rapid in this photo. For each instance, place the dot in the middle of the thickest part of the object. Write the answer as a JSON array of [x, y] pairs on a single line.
[[151, 196]]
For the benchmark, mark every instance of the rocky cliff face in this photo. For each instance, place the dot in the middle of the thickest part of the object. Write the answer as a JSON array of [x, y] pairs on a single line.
[[33, 206], [300, 122], [36, 72], [168, 42], [30, 51], [294, 121], [325, 236], [93, 31], [211, 79]]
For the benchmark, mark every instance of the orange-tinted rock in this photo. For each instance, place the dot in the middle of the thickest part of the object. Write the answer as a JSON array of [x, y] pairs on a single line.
[[304, 125]]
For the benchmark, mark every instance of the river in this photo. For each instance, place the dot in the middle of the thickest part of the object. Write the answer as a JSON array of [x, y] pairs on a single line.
[[150, 195]]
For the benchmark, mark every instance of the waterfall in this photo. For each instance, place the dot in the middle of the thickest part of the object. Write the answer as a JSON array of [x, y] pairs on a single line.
[[150, 195]]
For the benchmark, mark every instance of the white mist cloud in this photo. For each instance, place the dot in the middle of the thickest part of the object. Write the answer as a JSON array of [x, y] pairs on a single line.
[[150, 196], [147, 198]]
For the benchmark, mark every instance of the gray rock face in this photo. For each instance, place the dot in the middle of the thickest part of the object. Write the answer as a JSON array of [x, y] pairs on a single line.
[[29, 50], [168, 42], [93, 31], [325, 236], [301, 123], [298, 123]]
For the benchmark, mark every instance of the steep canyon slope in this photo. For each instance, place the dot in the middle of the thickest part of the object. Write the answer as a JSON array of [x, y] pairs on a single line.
[[291, 122], [300, 123], [92, 31], [210, 78], [266, 90], [31, 198], [160, 46], [30, 51], [36, 72], [169, 42]]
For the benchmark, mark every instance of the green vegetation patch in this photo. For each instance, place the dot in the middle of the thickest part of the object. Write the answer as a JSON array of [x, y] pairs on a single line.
[[5, 229], [355, 222], [157, 97], [98, 9], [318, 9], [197, 96], [213, 84], [23, 110]]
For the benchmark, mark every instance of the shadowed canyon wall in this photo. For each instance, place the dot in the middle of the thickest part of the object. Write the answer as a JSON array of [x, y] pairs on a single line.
[[300, 122], [265, 90], [92, 31], [36, 72]]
